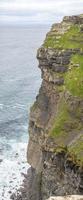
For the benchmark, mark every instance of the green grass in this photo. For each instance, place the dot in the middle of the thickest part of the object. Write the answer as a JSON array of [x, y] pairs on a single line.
[[72, 39], [77, 149], [64, 123], [74, 77], [62, 117]]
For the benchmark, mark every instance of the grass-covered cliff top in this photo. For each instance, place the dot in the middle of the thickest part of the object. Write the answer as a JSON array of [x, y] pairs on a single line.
[[71, 39], [69, 35], [66, 35]]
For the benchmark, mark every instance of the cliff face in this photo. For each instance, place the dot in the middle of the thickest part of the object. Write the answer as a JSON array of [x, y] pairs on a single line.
[[55, 149]]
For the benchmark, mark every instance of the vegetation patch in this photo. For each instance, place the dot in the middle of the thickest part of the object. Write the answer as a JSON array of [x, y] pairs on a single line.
[[61, 118], [74, 77], [77, 149], [72, 39], [64, 122]]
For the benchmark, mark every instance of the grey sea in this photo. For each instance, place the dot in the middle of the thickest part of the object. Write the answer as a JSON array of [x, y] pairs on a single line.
[[20, 80]]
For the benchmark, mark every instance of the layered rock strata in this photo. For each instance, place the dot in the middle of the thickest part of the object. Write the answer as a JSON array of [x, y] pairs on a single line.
[[55, 148]]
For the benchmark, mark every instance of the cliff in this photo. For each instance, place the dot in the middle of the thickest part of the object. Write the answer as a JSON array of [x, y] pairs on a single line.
[[55, 150]]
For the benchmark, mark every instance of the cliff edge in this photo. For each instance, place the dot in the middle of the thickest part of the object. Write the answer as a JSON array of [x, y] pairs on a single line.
[[55, 150]]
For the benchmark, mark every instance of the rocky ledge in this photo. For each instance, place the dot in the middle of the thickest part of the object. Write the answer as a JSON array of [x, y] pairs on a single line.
[[55, 150]]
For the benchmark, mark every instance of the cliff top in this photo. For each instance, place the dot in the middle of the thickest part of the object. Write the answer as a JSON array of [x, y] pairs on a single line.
[[66, 35]]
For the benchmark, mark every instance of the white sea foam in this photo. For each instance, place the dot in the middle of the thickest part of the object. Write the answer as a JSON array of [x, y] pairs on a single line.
[[11, 170], [18, 87], [10, 79], [17, 105]]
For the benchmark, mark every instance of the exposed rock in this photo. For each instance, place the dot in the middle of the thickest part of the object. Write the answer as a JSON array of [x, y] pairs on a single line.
[[30, 189], [55, 149], [56, 118]]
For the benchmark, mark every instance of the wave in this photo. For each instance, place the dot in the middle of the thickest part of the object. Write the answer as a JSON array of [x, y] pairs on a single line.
[[16, 105]]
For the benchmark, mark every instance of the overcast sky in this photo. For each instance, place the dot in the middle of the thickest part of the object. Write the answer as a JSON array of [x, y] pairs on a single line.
[[37, 11]]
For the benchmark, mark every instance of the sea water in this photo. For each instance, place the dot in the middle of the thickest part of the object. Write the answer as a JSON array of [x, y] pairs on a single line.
[[20, 80]]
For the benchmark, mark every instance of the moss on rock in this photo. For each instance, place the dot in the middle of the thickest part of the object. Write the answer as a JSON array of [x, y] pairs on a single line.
[[77, 149]]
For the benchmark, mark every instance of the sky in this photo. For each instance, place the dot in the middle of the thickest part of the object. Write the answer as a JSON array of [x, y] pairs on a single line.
[[37, 11]]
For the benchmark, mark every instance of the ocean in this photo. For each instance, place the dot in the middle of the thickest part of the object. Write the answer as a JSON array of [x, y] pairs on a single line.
[[20, 80]]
